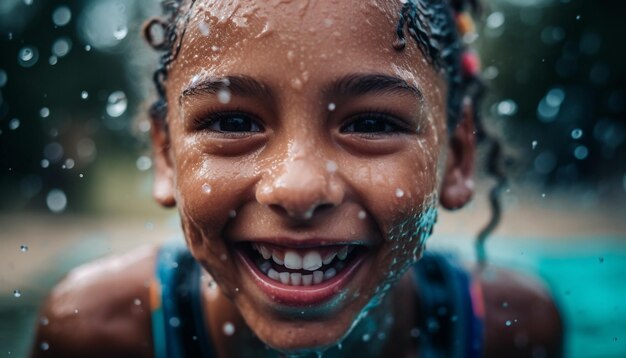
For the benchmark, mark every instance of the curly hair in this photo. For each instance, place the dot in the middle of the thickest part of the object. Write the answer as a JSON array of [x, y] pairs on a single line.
[[436, 27]]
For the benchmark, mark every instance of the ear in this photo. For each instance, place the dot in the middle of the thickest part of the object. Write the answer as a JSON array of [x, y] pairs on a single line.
[[163, 186], [457, 186]]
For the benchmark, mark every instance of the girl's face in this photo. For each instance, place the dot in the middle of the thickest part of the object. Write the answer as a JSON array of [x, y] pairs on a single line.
[[305, 156]]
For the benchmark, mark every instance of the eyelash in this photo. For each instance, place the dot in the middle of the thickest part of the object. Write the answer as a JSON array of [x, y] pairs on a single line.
[[204, 122], [390, 119]]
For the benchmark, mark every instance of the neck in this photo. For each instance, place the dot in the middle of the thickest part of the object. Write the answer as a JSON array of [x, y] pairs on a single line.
[[385, 329]]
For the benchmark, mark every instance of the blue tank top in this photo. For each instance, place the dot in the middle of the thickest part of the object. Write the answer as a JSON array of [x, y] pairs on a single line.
[[450, 314]]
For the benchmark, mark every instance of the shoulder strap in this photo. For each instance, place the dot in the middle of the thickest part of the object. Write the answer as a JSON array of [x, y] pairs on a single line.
[[447, 322], [177, 315]]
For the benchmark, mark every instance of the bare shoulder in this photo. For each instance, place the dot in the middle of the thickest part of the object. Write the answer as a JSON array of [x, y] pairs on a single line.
[[521, 318], [100, 309]]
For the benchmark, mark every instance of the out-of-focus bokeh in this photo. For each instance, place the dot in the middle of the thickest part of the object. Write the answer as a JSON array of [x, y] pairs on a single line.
[[75, 80]]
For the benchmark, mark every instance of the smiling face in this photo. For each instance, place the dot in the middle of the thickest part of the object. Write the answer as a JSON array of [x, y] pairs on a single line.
[[305, 156]]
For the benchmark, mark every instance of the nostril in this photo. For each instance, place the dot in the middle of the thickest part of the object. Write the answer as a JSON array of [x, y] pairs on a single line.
[[300, 213]]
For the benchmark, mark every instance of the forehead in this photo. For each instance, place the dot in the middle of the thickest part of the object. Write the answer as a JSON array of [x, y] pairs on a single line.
[[296, 41]]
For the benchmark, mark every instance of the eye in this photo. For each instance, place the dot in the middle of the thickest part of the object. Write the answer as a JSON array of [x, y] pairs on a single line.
[[372, 123], [237, 122]]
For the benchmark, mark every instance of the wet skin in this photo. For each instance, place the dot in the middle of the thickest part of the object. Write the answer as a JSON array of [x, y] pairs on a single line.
[[285, 123]]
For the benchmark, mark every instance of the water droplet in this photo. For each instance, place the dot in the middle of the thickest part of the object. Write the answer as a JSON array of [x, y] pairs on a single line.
[[44, 346], [215, 48], [366, 337], [44, 321], [28, 2], [362, 215], [3, 78], [601, 259], [174, 322], [137, 302], [28, 56], [508, 107], [331, 166], [614, 339], [495, 20], [206, 188], [53, 60], [399, 193], [61, 15], [116, 104], [296, 84], [17, 293], [80, 175], [212, 284], [578, 17], [84, 94], [577, 133], [62, 46], [508, 323], [232, 214], [120, 32], [75, 310], [87, 48], [505, 304], [56, 201], [23, 248], [144, 163], [581, 152], [543, 195], [44, 163], [14, 124], [228, 328], [223, 96], [44, 112], [534, 144], [331, 106]]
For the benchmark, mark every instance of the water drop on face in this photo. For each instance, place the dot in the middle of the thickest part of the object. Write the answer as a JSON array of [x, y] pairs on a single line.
[[204, 28], [507, 323], [296, 84], [223, 96], [116, 104], [331, 106], [28, 56], [362, 215], [232, 214], [137, 302], [61, 16], [17, 293], [399, 193], [577, 133], [206, 188], [56, 201], [44, 321], [120, 32], [228, 329], [44, 346], [331, 166], [23, 248]]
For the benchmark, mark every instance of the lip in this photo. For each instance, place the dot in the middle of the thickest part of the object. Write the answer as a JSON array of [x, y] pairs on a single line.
[[299, 296]]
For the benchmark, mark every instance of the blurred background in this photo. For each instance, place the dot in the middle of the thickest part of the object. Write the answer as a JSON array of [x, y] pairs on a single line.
[[76, 170]]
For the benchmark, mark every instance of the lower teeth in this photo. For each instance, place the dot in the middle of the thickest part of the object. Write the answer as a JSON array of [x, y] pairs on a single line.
[[299, 279]]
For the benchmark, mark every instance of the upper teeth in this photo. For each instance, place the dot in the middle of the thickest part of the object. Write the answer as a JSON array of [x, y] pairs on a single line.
[[291, 259]]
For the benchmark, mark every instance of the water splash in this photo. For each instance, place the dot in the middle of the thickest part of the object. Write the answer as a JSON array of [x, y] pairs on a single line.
[[28, 56], [116, 104]]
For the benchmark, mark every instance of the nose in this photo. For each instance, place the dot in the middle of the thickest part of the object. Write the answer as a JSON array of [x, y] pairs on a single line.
[[300, 188]]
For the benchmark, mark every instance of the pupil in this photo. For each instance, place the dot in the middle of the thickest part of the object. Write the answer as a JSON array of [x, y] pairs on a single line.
[[369, 126], [235, 124]]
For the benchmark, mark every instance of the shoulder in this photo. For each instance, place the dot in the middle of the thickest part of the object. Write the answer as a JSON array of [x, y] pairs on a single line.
[[101, 308], [521, 319]]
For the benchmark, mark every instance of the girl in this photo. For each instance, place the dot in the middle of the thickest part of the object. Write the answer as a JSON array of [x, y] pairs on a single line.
[[307, 147]]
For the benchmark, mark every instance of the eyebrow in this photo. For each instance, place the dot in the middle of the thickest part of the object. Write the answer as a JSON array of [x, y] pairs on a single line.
[[241, 85], [361, 84], [351, 85]]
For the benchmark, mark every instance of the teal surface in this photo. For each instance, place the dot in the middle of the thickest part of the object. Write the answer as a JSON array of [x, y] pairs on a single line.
[[587, 277]]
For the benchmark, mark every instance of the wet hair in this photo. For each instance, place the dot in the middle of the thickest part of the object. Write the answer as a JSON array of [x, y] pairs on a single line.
[[433, 24]]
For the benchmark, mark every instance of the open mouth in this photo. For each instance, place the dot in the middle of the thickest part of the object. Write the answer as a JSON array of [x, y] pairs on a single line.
[[299, 276]]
